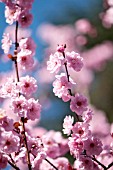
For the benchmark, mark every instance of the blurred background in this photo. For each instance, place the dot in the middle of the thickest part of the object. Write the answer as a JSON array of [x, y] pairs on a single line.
[[84, 27]]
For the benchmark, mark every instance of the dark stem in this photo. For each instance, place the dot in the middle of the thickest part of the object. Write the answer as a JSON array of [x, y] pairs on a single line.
[[51, 164], [67, 73], [13, 165], [65, 64], [17, 75], [110, 165], [26, 145], [98, 162]]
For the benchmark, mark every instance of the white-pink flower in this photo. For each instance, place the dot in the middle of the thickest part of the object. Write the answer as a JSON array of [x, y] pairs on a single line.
[[55, 62], [74, 60], [34, 109], [25, 18], [19, 105], [29, 44], [61, 85], [6, 43], [27, 85], [10, 142], [68, 124], [93, 146], [12, 14], [25, 59], [78, 103]]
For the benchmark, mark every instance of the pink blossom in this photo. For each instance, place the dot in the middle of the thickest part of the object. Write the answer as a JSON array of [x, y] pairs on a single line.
[[6, 43], [76, 146], [9, 89], [12, 14], [34, 109], [19, 105], [61, 85], [81, 129], [25, 18], [55, 62], [3, 161], [78, 103], [27, 43], [27, 85], [38, 160], [74, 60], [85, 163], [10, 142], [61, 48], [67, 125], [25, 59], [93, 146], [6, 123]]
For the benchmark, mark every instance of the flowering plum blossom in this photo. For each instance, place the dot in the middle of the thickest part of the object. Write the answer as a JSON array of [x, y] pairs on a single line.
[[61, 85], [67, 125], [93, 146], [6, 43], [28, 44], [55, 62], [10, 142], [19, 105], [27, 85], [25, 59], [78, 103], [34, 109], [25, 18], [28, 148], [12, 14], [74, 60]]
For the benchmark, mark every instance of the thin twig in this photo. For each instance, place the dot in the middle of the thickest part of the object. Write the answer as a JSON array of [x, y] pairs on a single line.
[[110, 165], [13, 165], [17, 75], [26, 145], [51, 164]]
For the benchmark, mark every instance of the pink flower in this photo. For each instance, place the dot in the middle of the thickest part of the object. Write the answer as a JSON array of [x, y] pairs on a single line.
[[19, 105], [12, 14], [67, 125], [61, 48], [25, 59], [10, 142], [27, 85], [81, 130], [93, 146], [7, 123], [85, 163], [55, 62], [76, 146], [25, 18], [9, 89], [28, 43], [78, 104], [34, 109], [6, 43], [61, 85], [74, 61]]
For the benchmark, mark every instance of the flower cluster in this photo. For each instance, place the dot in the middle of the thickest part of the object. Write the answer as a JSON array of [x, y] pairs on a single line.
[[22, 144]]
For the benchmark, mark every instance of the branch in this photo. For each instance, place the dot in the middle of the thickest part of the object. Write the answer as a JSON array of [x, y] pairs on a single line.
[[51, 164], [110, 165], [13, 165]]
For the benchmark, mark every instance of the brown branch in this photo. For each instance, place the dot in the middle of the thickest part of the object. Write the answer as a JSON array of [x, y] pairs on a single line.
[[51, 164], [26, 145], [13, 165], [17, 75], [110, 165]]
